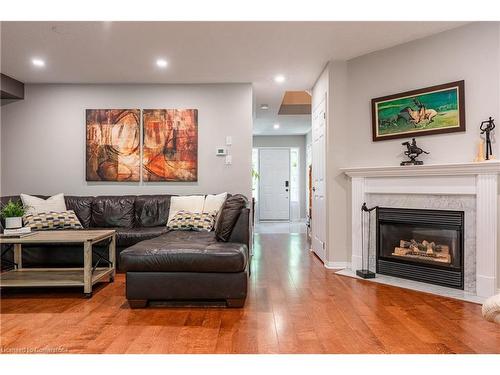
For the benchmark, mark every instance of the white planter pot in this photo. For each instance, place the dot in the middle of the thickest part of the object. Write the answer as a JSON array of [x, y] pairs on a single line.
[[13, 222]]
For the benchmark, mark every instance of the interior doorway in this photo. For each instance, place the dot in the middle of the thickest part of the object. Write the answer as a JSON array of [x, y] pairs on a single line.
[[274, 184], [318, 202], [291, 147]]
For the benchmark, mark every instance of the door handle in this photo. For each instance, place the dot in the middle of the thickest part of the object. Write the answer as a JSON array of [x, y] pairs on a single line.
[[286, 183], [314, 189]]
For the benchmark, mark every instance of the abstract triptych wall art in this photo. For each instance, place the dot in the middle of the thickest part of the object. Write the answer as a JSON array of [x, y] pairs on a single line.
[[113, 145], [169, 145]]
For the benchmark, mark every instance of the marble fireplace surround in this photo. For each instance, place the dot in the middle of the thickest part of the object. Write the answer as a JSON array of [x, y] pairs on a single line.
[[471, 187]]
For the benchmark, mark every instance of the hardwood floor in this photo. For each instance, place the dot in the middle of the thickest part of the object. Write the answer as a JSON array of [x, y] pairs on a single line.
[[294, 305]]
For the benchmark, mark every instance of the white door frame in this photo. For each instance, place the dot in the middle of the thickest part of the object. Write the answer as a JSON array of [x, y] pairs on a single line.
[[289, 182], [319, 245]]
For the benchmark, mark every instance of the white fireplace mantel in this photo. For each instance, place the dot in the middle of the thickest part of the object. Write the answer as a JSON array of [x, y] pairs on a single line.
[[462, 169], [477, 179]]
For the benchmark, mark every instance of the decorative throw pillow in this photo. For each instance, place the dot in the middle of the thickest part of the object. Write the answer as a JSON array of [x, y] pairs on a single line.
[[34, 205], [214, 203], [52, 221], [229, 215], [198, 221], [189, 203]]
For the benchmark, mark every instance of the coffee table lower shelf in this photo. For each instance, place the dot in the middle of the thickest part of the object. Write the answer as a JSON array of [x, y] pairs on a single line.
[[51, 277]]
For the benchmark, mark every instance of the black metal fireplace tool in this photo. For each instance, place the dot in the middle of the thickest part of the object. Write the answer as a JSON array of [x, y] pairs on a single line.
[[365, 273]]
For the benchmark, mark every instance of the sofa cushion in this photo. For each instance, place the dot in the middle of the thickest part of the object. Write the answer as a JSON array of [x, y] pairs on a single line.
[[151, 210], [214, 203], [130, 236], [52, 221], [179, 251], [190, 203], [199, 221], [82, 207], [34, 205], [231, 210], [113, 211]]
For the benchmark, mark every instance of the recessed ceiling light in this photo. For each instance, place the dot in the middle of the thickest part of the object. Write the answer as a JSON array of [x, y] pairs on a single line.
[[276, 126], [264, 106], [38, 62], [162, 63], [280, 78]]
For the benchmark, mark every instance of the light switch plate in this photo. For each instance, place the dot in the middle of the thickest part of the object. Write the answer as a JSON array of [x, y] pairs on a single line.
[[229, 159], [229, 140], [220, 151]]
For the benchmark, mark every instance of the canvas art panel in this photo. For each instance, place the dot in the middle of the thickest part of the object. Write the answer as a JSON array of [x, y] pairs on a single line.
[[170, 145], [432, 110], [113, 145]]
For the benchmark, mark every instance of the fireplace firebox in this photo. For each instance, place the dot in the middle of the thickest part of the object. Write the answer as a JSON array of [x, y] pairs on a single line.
[[421, 245]]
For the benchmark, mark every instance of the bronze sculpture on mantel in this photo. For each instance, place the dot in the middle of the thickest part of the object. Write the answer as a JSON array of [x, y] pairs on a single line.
[[486, 128], [413, 152]]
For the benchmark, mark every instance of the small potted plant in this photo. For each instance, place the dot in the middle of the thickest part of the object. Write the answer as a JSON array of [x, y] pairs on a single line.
[[13, 213]]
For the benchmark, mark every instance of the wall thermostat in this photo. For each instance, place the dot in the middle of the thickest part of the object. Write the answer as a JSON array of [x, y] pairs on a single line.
[[220, 151]]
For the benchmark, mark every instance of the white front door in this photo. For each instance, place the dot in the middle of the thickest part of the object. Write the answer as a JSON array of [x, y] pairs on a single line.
[[274, 184], [318, 223]]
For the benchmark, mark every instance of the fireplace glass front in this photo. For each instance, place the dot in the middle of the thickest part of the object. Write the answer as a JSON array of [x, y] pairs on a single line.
[[422, 245]]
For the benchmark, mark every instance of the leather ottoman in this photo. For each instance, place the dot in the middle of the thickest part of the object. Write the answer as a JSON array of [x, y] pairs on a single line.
[[186, 266]]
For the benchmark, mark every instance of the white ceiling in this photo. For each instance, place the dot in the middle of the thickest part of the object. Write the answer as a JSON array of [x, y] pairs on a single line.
[[200, 52]]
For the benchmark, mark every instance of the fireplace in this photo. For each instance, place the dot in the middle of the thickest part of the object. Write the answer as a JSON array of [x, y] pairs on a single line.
[[421, 245]]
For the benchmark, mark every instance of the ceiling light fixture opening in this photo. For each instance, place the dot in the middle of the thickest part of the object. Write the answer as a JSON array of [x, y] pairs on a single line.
[[264, 107], [280, 78], [38, 62], [162, 63], [276, 126]]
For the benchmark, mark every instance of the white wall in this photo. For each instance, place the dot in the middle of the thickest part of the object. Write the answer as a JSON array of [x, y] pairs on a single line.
[[339, 154], [471, 53], [43, 137], [298, 141], [308, 163], [309, 137]]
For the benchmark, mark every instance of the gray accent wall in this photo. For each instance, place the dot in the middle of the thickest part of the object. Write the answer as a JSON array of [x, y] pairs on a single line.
[[43, 137], [449, 56], [470, 52]]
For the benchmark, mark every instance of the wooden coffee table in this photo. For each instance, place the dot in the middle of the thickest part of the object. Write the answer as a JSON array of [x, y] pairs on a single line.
[[59, 277]]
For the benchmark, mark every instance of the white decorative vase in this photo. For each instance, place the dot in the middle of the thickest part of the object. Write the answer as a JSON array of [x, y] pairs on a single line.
[[13, 222]]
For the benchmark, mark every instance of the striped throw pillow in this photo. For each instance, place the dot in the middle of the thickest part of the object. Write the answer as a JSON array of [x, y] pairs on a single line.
[[185, 220], [52, 220]]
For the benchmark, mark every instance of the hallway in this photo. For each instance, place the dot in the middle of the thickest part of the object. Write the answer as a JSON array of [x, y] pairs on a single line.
[[295, 305], [277, 227]]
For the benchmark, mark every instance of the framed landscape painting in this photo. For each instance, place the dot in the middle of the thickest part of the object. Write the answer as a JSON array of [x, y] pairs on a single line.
[[170, 145], [113, 144], [432, 110]]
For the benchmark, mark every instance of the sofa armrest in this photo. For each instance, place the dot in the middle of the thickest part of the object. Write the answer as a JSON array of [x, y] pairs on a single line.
[[241, 230]]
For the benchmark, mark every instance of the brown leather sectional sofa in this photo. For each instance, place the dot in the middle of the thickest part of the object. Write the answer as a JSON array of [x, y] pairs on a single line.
[[160, 264]]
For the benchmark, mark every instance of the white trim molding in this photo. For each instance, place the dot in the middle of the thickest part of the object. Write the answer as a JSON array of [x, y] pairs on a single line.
[[337, 265], [473, 179], [486, 234]]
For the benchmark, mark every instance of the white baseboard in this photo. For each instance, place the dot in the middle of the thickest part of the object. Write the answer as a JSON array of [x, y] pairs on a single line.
[[337, 265]]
